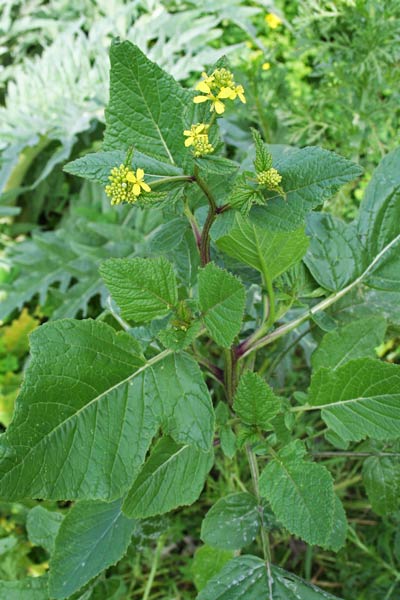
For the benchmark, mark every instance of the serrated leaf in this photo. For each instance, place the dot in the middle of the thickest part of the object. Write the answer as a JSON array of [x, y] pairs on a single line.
[[381, 477], [301, 496], [337, 537], [143, 288], [263, 160], [96, 166], [378, 223], [359, 399], [30, 588], [173, 476], [354, 340], [144, 101], [335, 256], [310, 176], [93, 536], [207, 562], [222, 298], [246, 578], [92, 384], [232, 523], [42, 526], [255, 246], [255, 402]]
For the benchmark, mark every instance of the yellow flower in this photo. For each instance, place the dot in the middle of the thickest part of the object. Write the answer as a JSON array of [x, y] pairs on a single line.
[[217, 87], [216, 103], [266, 66], [125, 185], [137, 181], [194, 133], [197, 137], [270, 178], [273, 20]]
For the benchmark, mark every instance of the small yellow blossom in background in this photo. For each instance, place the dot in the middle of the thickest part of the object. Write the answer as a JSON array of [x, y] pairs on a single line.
[[219, 86], [272, 20], [197, 136], [126, 185], [266, 66], [270, 178]]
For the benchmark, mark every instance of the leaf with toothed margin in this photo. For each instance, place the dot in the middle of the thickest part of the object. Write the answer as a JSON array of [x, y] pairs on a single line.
[[89, 409]]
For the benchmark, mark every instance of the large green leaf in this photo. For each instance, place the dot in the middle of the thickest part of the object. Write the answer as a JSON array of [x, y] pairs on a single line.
[[222, 299], [102, 404], [93, 536], [246, 578], [381, 477], [143, 288], [259, 247], [354, 340], [173, 476], [255, 402], [207, 562], [42, 526], [144, 102], [97, 166], [301, 495], [359, 399], [30, 588], [232, 523], [378, 223], [335, 256]]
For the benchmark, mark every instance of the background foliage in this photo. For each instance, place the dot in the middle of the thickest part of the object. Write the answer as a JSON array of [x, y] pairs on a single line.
[[327, 75]]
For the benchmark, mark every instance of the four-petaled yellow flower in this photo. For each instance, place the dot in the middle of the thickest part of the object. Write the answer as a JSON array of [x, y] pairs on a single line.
[[273, 20], [137, 181], [194, 133], [125, 185], [217, 87], [197, 136]]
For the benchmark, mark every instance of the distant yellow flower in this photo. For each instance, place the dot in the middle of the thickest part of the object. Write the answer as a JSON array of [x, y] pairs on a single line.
[[266, 66], [125, 185], [273, 20]]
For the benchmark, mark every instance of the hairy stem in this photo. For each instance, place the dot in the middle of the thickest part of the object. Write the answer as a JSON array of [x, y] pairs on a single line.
[[154, 565], [255, 475], [230, 374], [211, 216]]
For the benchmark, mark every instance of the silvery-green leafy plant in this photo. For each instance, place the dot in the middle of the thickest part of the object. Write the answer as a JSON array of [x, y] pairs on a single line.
[[123, 415]]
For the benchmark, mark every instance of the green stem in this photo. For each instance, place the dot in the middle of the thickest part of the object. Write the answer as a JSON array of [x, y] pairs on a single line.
[[230, 374], [246, 347], [255, 476], [156, 558], [211, 216], [193, 223], [354, 454], [171, 179]]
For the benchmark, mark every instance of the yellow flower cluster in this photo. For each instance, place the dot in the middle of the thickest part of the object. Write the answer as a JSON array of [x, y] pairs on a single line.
[[197, 136], [126, 185], [272, 20], [219, 86], [270, 178]]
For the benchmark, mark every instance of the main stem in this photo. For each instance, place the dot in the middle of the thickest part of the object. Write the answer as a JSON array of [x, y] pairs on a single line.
[[211, 216], [255, 475]]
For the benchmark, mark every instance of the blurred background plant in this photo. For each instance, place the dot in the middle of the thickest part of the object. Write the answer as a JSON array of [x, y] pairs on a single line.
[[315, 72]]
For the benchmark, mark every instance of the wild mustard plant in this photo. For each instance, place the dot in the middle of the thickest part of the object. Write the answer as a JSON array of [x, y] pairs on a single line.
[[189, 360]]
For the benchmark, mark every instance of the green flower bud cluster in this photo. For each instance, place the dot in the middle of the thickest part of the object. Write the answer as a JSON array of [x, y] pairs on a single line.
[[222, 78], [202, 146], [270, 178], [120, 190]]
